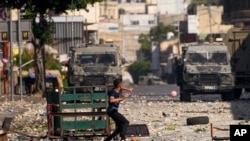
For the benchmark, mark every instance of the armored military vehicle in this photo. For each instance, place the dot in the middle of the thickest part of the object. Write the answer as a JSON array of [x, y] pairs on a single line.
[[238, 42], [237, 39], [204, 68], [94, 65]]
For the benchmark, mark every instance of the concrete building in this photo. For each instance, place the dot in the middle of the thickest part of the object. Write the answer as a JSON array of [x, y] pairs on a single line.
[[90, 20], [133, 8], [123, 21], [171, 7], [111, 32], [109, 10], [139, 20], [134, 25], [210, 21]]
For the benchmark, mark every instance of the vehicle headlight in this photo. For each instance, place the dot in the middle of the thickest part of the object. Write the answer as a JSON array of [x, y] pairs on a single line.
[[192, 77], [226, 78], [110, 79], [81, 79], [75, 73], [195, 77]]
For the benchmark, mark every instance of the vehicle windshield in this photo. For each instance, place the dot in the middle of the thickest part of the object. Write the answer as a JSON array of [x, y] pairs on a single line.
[[218, 57], [106, 59], [195, 58], [207, 58]]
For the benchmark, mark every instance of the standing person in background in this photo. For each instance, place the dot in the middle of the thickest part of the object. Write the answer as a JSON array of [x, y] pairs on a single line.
[[115, 97]]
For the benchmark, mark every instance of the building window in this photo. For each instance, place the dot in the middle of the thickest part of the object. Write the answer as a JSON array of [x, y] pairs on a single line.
[[151, 22], [135, 22], [4, 36]]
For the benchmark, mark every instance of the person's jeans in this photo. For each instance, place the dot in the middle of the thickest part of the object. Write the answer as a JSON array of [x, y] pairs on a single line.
[[121, 125]]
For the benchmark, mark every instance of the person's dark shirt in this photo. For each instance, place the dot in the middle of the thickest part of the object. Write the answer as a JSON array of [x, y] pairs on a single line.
[[113, 93]]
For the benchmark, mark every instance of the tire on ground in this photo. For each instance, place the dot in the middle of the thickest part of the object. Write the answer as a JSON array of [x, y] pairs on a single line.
[[197, 120]]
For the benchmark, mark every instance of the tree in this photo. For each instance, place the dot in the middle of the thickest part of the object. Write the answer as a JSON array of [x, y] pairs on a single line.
[[26, 56], [139, 68], [51, 63], [42, 30], [159, 33], [195, 3], [145, 49], [156, 34]]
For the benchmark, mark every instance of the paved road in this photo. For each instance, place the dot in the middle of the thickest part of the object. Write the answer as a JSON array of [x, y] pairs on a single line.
[[210, 102], [162, 92]]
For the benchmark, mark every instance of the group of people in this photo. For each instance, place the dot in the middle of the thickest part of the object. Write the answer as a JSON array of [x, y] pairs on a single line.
[[115, 96]]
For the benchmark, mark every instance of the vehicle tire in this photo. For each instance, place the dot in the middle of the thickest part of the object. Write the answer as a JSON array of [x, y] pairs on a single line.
[[197, 120], [228, 96], [237, 93], [185, 96]]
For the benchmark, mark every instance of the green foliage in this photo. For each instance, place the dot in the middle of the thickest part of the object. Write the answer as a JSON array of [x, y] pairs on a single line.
[[159, 33], [26, 56], [139, 68], [51, 63], [205, 2], [244, 122], [171, 127], [43, 29], [145, 42], [45, 8], [200, 129]]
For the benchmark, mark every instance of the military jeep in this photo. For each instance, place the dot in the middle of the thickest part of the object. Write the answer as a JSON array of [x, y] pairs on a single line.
[[94, 65], [204, 68]]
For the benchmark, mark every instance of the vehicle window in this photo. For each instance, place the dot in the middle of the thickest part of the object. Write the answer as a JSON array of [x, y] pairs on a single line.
[[107, 59], [218, 57], [197, 57], [87, 59]]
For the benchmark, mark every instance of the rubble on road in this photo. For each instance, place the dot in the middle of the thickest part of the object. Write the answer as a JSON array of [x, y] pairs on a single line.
[[30, 117]]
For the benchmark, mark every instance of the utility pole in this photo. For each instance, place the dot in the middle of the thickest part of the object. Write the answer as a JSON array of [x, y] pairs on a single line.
[[11, 59], [72, 25], [20, 56]]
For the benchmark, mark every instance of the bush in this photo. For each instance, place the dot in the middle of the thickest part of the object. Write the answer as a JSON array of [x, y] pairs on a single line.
[[51, 63], [139, 68], [25, 57]]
